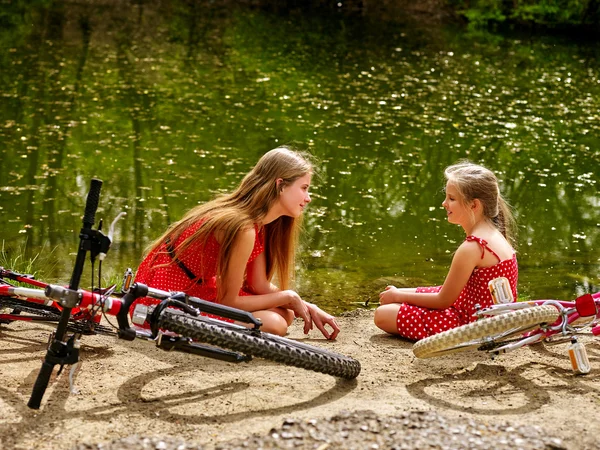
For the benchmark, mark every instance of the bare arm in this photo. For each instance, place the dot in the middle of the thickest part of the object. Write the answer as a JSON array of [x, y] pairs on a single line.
[[256, 276], [464, 262], [268, 296]]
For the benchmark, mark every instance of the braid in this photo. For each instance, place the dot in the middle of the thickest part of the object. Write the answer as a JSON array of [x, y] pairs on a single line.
[[505, 221]]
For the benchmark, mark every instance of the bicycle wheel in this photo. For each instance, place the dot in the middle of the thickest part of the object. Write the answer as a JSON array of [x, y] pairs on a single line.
[[262, 345], [486, 333], [24, 311]]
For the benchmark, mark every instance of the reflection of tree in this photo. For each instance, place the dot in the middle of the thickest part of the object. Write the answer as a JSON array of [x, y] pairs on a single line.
[[37, 79], [191, 24], [45, 106], [134, 103], [69, 114]]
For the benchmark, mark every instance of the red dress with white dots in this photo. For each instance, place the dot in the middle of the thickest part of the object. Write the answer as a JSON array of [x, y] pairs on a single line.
[[415, 322], [159, 271]]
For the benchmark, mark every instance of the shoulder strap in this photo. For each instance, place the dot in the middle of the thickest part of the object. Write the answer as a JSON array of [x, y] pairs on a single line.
[[260, 234], [180, 263], [484, 246]]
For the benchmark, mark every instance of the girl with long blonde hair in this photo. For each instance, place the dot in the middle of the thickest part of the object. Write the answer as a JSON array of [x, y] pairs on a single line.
[[473, 201], [229, 249]]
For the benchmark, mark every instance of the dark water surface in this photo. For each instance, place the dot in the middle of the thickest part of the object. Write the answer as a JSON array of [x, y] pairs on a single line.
[[170, 104]]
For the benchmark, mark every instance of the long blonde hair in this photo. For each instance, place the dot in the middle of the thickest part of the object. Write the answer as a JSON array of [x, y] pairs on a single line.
[[472, 182], [242, 209]]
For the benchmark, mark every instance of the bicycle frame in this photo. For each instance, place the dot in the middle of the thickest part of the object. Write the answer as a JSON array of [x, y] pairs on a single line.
[[38, 296], [585, 307], [92, 305]]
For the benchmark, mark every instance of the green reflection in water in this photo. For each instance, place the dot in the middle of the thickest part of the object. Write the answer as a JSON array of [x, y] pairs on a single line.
[[173, 103]]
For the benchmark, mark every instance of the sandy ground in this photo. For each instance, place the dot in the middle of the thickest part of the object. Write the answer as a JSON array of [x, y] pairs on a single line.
[[128, 388]]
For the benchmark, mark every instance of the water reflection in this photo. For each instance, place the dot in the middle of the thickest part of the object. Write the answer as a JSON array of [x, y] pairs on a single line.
[[172, 102]]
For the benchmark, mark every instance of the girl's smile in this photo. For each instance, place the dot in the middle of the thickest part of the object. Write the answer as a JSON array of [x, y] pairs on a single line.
[[295, 197], [456, 211]]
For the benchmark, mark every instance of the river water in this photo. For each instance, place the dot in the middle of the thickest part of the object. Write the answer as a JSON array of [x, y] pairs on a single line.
[[171, 104]]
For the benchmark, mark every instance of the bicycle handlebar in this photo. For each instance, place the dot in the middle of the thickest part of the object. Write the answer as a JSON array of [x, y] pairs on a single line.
[[41, 383], [60, 352], [91, 205], [136, 291], [139, 290], [215, 308]]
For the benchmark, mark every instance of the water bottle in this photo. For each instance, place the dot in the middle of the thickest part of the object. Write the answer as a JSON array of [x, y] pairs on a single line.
[[579, 359]]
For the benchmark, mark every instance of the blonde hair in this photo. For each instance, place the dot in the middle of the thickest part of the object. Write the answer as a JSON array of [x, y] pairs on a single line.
[[243, 209], [473, 181]]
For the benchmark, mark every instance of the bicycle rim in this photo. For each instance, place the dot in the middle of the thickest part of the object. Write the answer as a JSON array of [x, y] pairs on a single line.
[[259, 344], [48, 315], [486, 334]]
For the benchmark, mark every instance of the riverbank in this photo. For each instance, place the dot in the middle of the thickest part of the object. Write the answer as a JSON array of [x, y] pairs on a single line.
[[137, 396]]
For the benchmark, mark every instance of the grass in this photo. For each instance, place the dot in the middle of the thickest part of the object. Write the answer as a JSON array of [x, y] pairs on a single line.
[[42, 265], [17, 259]]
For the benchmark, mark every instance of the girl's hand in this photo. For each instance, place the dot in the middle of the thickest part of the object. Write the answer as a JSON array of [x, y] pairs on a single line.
[[390, 295], [300, 308], [321, 318]]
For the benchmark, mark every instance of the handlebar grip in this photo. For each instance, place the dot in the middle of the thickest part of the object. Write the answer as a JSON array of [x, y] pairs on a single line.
[[41, 383], [91, 204]]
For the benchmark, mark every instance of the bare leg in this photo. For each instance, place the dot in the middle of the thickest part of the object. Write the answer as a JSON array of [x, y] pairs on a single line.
[[386, 317], [275, 321]]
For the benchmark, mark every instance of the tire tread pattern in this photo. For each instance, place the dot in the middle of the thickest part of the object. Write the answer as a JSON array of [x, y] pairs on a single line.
[[261, 345], [489, 326]]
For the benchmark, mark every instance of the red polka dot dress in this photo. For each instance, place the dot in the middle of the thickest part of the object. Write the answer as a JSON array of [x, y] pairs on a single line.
[[159, 271], [415, 322]]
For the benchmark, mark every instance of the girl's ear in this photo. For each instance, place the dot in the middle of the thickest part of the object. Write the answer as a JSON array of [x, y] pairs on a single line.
[[279, 185], [476, 205]]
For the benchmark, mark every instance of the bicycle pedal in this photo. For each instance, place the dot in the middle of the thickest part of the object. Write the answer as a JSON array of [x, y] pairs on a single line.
[[578, 356]]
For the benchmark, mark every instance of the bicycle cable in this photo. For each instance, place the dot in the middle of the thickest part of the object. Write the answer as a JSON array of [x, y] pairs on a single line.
[[102, 255], [103, 296], [96, 306]]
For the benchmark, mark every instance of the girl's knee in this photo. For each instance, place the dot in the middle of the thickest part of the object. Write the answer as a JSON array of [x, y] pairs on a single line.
[[278, 327], [287, 314], [386, 318], [379, 318], [272, 322]]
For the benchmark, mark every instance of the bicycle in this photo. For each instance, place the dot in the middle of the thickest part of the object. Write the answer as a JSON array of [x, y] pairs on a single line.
[[178, 322], [502, 328]]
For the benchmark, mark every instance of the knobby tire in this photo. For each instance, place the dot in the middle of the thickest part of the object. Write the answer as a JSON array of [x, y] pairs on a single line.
[[262, 345], [485, 333]]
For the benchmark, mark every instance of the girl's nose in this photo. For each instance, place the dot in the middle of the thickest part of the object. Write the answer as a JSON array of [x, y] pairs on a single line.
[[307, 199]]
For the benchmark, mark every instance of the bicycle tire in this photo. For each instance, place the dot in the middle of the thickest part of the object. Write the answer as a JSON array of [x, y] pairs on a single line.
[[50, 315], [485, 333], [262, 345]]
